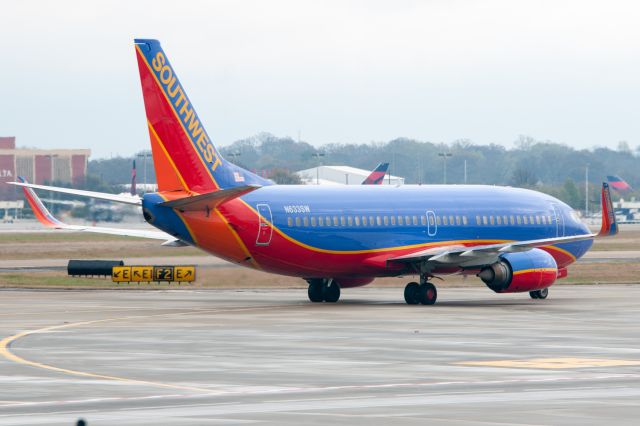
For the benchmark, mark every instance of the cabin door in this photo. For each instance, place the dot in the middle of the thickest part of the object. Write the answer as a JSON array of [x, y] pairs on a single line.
[[559, 221], [432, 226], [265, 230]]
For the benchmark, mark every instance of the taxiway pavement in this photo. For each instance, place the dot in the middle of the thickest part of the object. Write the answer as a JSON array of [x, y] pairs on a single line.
[[187, 357]]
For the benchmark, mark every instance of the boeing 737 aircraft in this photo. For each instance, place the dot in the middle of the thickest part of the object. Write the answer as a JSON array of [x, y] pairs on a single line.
[[335, 237]]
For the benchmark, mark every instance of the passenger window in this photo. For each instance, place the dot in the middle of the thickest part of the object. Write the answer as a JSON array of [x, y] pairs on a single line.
[[423, 220], [499, 220], [335, 221], [438, 221], [364, 221], [356, 219], [458, 220], [320, 221], [393, 220], [431, 221], [298, 222], [445, 221], [451, 219], [491, 220], [531, 220], [544, 220], [378, 221], [327, 220], [511, 220], [550, 220], [350, 220], [465, 222], [485, 220], [407, 220], [478, 221], [313, 221], [343, 222], [525, 220], [386, 220], [289, 221], [415, 220], [371, 221], [305, 220], [400, 222]]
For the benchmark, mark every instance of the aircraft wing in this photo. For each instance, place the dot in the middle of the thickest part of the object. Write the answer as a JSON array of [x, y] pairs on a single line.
[[467, 256], [47, 219], [126, 199], [482, 254]]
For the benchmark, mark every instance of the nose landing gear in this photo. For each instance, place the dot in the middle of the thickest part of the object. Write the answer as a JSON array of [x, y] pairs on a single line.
[[539, 294]]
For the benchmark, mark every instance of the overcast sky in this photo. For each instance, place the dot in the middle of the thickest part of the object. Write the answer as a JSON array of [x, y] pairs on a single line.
[[343, 71]]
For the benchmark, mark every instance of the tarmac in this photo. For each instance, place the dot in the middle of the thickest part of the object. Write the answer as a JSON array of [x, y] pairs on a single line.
[[194, 357]]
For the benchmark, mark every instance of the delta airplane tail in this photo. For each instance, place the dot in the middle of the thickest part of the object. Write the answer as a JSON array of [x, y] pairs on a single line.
[[619, 184], [377, 175], [184, 156]]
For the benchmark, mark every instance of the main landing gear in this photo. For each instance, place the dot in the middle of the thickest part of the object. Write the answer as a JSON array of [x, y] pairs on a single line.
[[539, 294], [424, 293], [324, 290]]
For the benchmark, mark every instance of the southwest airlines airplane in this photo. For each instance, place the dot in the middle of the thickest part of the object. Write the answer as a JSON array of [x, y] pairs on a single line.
[[514, 240]]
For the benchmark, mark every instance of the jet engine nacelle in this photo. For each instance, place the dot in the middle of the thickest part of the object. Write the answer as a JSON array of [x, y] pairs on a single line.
[[519, 272]]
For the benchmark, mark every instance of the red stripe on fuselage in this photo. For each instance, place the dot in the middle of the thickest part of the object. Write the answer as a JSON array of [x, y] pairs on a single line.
[[287, 257]]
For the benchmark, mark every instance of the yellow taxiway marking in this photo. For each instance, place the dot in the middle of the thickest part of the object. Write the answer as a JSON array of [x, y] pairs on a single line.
[[554, 363], [6, 353]]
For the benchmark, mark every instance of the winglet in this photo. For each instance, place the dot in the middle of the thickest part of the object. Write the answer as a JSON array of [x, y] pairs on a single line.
[[609, 225], [39, 210]]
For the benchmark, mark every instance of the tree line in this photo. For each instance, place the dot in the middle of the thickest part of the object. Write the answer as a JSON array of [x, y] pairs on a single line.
[[547, 166]]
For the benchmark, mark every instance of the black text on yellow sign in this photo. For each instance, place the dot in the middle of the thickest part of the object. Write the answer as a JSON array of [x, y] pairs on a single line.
[[129, 274]]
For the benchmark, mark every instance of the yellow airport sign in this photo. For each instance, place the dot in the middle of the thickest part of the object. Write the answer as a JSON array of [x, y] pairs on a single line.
[[149, 273], [121, 274]]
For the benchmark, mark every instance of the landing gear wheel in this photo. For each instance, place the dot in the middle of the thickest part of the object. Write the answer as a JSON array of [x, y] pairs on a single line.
[[410, 293], [427, 294], [539, 294], [315, 292], [331, 293]]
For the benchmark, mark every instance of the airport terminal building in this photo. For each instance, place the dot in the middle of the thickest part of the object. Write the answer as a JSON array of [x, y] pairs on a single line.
[[40, 166]]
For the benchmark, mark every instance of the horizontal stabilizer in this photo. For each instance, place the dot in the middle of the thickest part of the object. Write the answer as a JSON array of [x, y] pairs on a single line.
[[125, 199], [210, 200], [47, 219]]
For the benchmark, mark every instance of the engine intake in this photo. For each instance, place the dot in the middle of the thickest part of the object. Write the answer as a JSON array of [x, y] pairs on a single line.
[[519, 272]]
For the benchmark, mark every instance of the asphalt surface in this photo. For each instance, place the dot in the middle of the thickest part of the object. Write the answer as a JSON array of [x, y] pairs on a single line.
[[191, 357]]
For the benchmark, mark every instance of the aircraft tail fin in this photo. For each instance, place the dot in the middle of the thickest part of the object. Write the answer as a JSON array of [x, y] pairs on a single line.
[[377, 175], [133, 191], [184, 156], [609, 226], [618, 184]]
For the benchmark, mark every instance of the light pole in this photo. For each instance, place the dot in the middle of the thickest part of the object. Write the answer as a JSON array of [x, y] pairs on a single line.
[[52, 193], [144, 156], [586, 191], [317, 155], [444, 156], [465, 172]]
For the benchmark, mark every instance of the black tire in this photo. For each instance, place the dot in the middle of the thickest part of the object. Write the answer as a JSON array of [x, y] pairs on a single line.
[[331, 293], [427, 294], [410, 293], [539, 294], [315, 292]]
